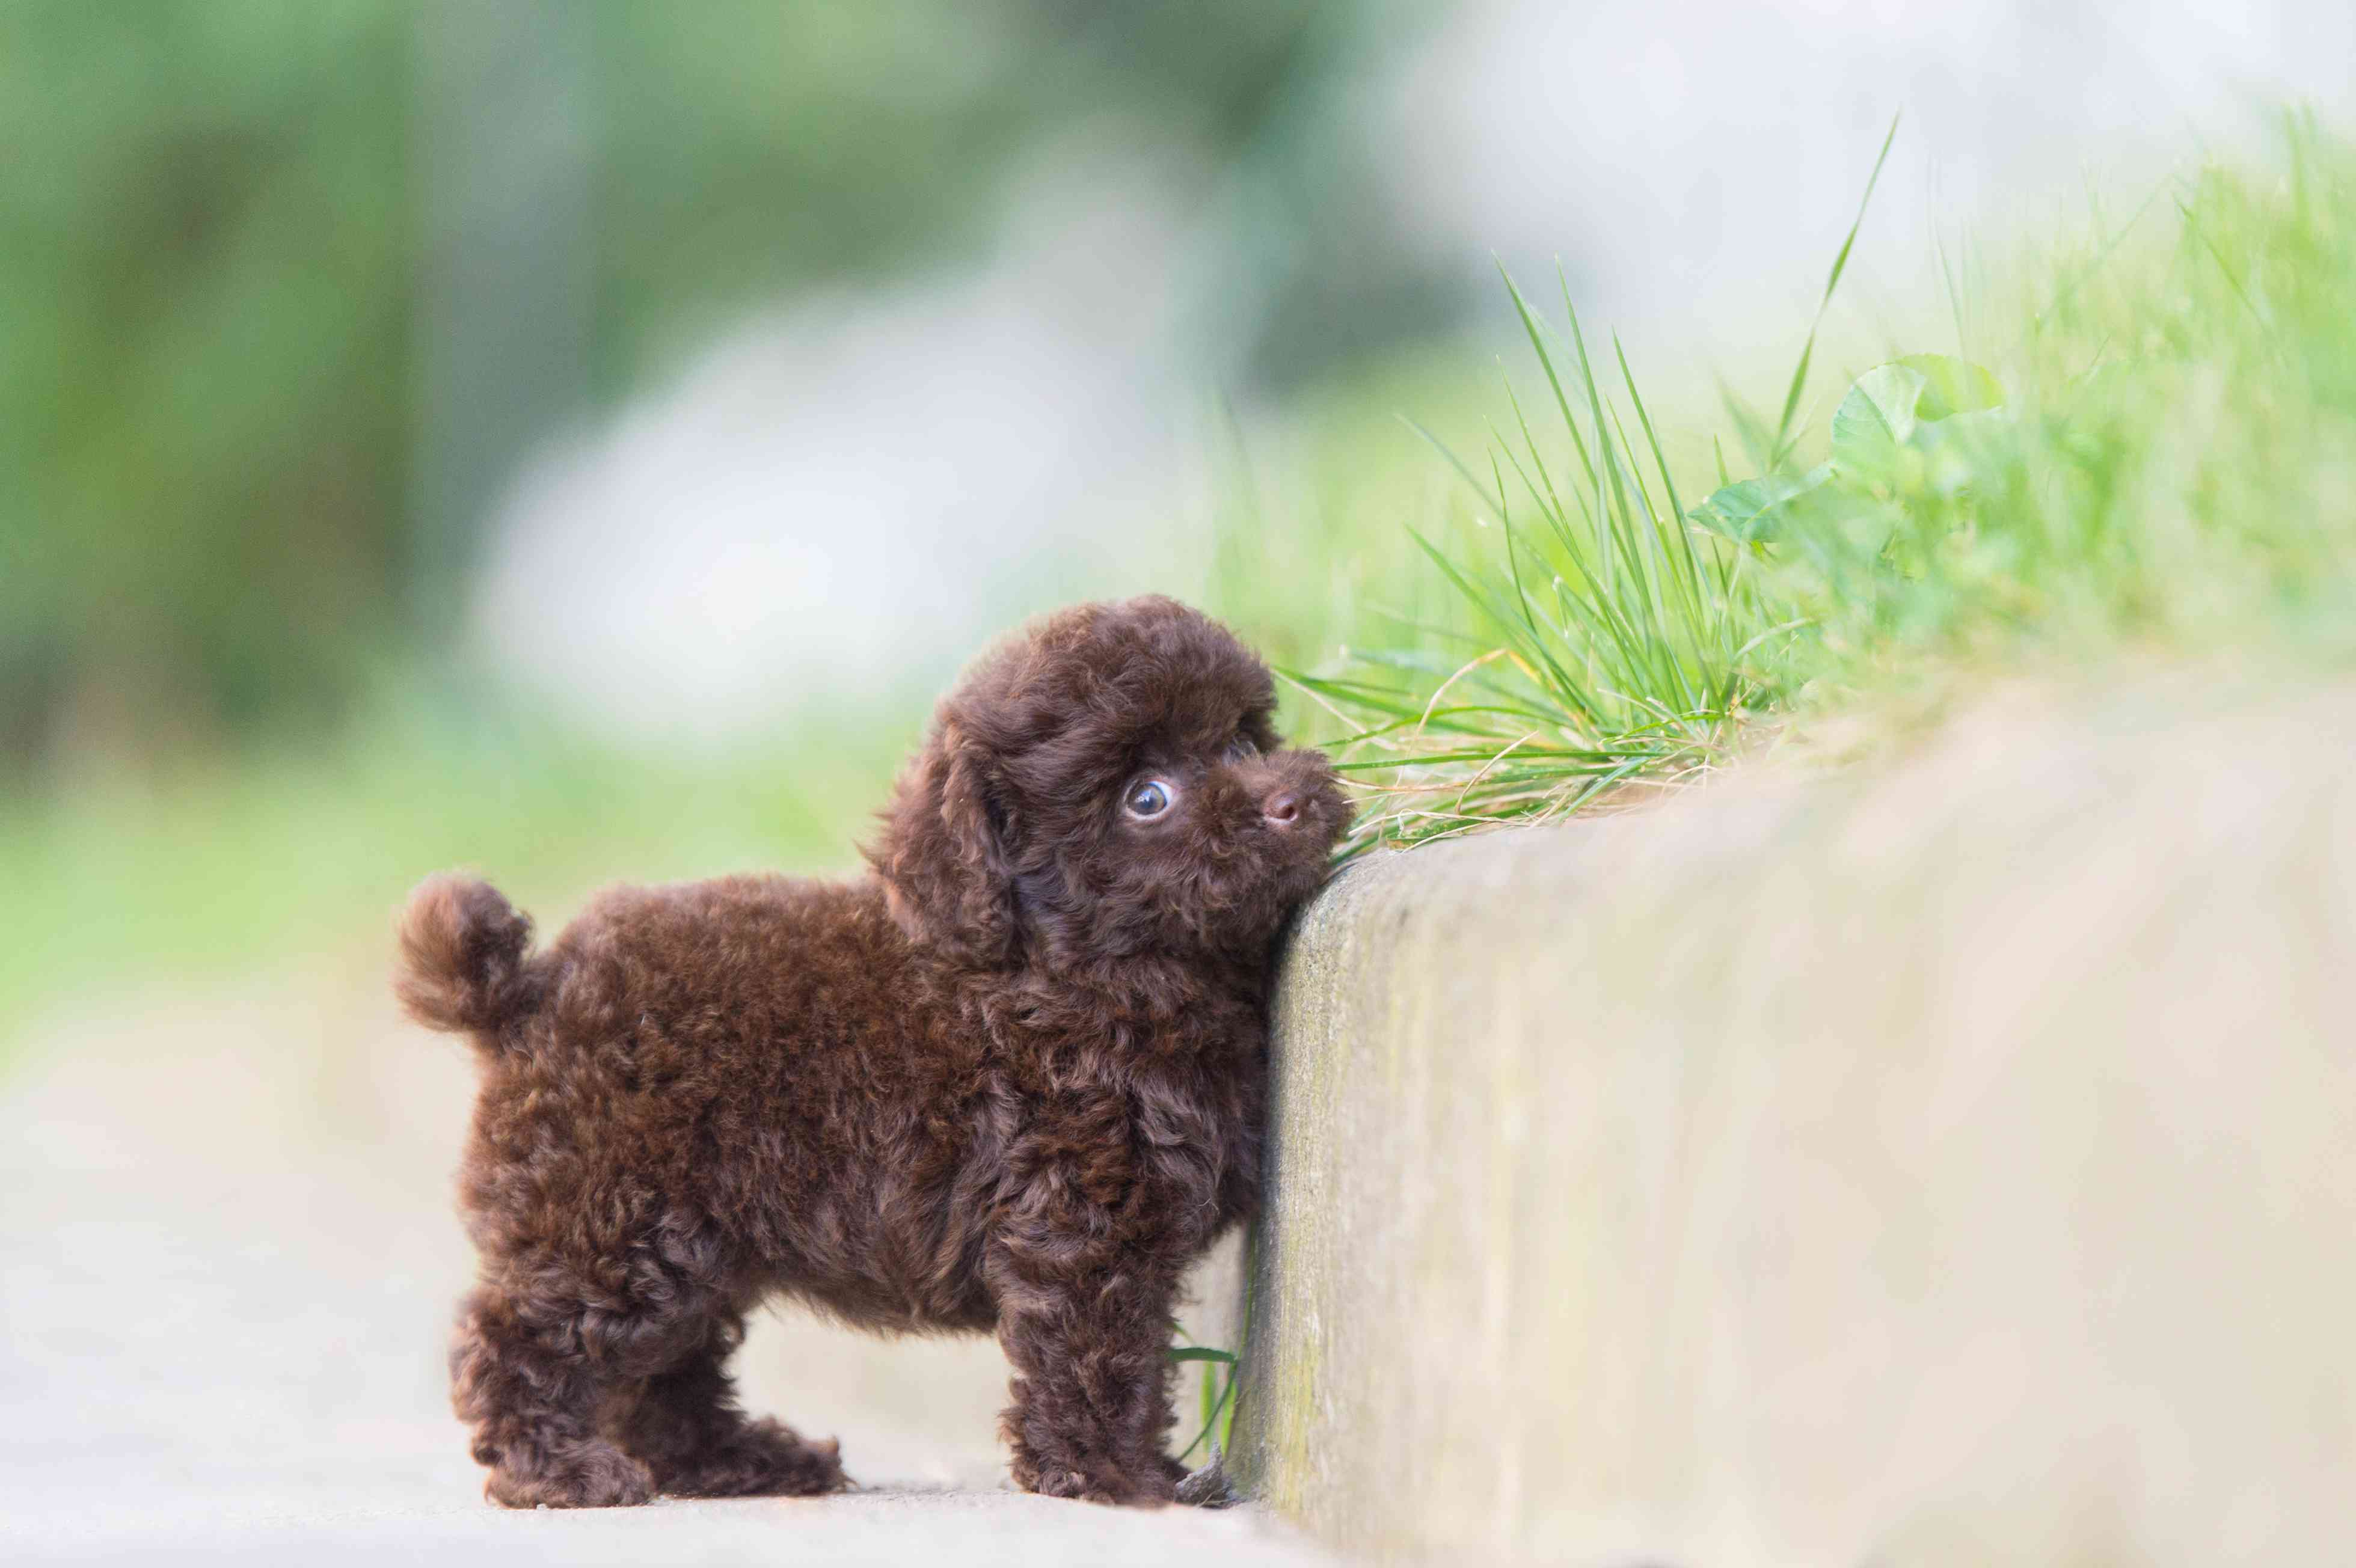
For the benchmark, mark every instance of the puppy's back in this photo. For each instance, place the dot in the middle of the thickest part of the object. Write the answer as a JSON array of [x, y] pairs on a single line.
[[770, 958], [763, 1054]]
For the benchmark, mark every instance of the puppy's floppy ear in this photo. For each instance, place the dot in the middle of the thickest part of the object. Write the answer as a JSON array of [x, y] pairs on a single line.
[[943, 853]]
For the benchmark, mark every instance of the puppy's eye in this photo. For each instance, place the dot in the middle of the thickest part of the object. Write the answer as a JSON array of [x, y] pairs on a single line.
[[1150, 798]]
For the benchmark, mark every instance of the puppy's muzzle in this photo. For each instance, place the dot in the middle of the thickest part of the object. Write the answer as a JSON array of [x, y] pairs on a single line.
[[1296, 792]]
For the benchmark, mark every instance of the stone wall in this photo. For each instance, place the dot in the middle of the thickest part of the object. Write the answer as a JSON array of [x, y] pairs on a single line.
[[1948, 1162]]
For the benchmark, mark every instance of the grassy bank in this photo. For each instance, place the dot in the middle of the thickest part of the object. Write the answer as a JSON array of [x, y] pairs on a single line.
[[2141, 441]]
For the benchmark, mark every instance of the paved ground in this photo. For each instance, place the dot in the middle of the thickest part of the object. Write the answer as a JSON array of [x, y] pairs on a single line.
[[226, 1262]]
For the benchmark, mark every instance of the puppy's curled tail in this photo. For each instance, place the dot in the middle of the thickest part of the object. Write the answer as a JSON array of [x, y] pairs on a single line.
[[462, 959]]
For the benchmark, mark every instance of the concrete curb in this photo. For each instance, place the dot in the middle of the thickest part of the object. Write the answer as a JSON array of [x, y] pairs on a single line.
[[1950, 1163]]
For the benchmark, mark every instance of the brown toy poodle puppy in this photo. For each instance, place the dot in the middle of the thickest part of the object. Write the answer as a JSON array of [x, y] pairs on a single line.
[[1011, 1083]]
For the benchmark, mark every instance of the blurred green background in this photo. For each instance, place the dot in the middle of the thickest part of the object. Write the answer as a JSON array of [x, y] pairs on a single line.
[[234, 487], [290, 290]]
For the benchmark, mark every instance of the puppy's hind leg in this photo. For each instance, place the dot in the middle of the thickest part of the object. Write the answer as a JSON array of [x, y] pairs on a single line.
[[526, 1387], [685, 1424]]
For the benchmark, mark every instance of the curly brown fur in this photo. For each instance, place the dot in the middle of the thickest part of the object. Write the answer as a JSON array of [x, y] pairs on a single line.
[[1009, 1082]]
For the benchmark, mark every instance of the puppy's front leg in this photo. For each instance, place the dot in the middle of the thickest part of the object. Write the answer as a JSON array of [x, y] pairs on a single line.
[[1083, 1297]]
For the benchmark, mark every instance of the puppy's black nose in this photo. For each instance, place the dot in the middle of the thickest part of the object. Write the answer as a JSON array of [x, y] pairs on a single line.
[[1282, 809]]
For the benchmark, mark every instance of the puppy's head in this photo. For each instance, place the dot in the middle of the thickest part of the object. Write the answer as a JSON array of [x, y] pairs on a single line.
[[1107, 784]]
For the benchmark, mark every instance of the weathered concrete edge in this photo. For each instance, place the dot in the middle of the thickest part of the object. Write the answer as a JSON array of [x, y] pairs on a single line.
[[1546, 1101]]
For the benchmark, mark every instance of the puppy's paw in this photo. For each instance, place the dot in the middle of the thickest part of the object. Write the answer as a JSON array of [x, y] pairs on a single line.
[[760, 1459], [592, 1474], [1055, 1481]]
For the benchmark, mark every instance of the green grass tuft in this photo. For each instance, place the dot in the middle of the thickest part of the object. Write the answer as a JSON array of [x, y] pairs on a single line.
[[2160, 458]]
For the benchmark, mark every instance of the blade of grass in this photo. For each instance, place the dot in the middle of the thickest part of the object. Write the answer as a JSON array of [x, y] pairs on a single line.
[[1782, 442]]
